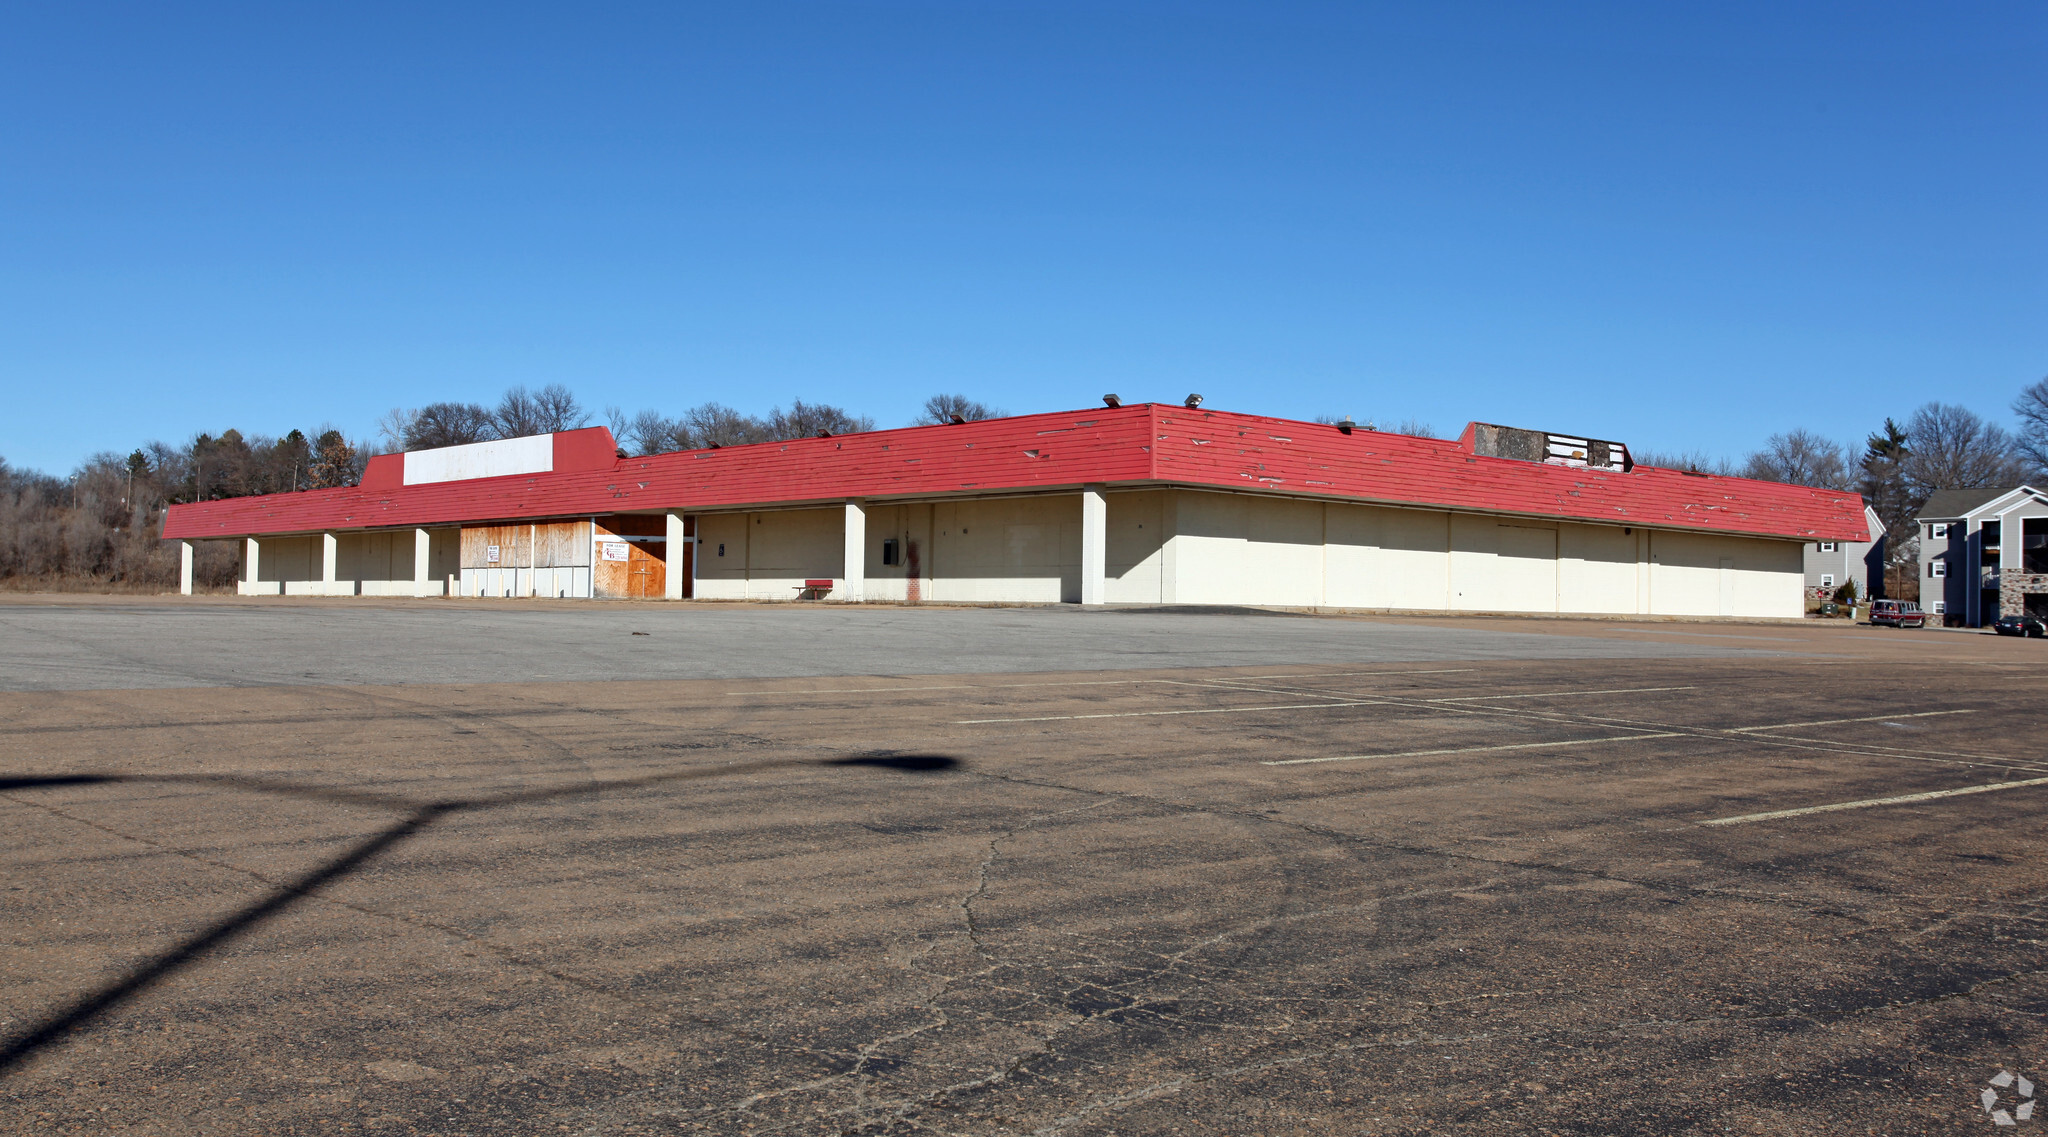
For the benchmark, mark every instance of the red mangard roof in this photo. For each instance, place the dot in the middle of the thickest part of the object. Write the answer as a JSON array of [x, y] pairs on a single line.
[[1131, 446]]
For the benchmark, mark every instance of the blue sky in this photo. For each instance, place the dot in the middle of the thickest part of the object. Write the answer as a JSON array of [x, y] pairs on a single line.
[[1679, 226]]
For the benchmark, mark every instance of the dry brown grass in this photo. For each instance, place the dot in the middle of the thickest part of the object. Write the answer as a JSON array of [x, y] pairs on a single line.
[[86, 584]]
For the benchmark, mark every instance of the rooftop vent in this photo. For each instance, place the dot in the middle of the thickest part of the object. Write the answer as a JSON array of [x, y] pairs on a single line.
[[1347, 426], [1490, 441], [1112, 402], [1193, 401], [959, 419]]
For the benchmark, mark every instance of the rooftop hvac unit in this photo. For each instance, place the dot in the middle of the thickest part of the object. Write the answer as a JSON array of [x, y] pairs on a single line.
[[1492, 441]]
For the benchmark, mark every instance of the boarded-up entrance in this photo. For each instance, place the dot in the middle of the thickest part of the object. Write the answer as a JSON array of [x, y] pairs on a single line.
[[631, 561], [527, 558]]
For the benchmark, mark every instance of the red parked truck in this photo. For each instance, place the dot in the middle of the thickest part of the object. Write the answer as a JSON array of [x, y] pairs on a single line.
[[1897, 614]]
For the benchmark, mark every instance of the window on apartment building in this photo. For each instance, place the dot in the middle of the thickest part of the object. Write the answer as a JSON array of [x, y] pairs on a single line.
[[1938, 531], [1827, 580], [2034, 544], [1941, 607], [1827, 546], [1937, 567]]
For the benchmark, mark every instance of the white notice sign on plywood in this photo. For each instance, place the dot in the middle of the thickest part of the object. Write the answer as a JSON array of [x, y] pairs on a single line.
[[490, 554], [616, 551]]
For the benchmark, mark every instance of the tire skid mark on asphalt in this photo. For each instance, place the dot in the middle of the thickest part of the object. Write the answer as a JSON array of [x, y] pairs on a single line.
[[792, 699], [1383, 845]]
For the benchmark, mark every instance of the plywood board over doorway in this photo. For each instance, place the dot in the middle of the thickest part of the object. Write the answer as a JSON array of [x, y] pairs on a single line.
[[548, 543], [630, 560]]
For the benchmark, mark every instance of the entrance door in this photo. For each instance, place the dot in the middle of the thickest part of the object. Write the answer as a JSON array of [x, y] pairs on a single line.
[[646, 572], [684, 559]]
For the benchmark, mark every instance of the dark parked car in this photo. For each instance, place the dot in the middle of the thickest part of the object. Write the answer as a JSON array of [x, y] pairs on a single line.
[[2020, 626]]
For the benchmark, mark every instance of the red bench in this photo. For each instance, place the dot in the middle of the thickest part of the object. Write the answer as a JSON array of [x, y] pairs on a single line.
[[814, 589]]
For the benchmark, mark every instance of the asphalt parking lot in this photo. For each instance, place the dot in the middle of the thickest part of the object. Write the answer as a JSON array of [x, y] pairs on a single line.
[[1026, 872]]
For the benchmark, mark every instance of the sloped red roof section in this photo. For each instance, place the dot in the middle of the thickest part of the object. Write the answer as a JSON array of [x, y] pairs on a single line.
[[1252, 452], [1147, 444]]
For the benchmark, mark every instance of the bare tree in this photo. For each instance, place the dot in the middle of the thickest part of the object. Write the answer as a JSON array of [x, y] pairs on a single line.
[[523, 413], [1952, 448], [651, 432], [1413, 427], [805, 420], [393, 426], [559, 409], [1800, 457], [517, 415], [2032, 409], [942, 408], [715, 424], [448, 424], [1691, 461]]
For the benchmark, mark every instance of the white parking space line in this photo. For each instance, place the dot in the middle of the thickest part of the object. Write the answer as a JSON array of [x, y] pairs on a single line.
[[1903, 799], [1562, 694], [1834, 722], [1188, 711], [1470, 749]]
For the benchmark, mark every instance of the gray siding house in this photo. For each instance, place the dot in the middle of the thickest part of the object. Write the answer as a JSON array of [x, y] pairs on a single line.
[[1984, 553], [1829, 563]]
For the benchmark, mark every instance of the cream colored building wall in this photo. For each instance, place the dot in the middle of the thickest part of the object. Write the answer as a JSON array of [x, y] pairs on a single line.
[[768, 556], [288, 558], [1199, 547], [1135, 546], [1245, 549], [373, 556], [1239, 549], [1499, 566], [1596, 569], [1386, 558], [1019, 550], [1695, 574], [787, 547], [722, 555], [910, 526]]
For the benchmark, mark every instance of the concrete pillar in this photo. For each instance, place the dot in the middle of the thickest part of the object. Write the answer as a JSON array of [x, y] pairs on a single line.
[[420, 546], [329, 552], [184, 568], [252, 551], [672, 588], [856, 571], [1094, 544], [1169, 547]]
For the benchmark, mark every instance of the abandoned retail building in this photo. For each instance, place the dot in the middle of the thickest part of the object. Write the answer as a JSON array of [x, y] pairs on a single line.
[[1126, 504]]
